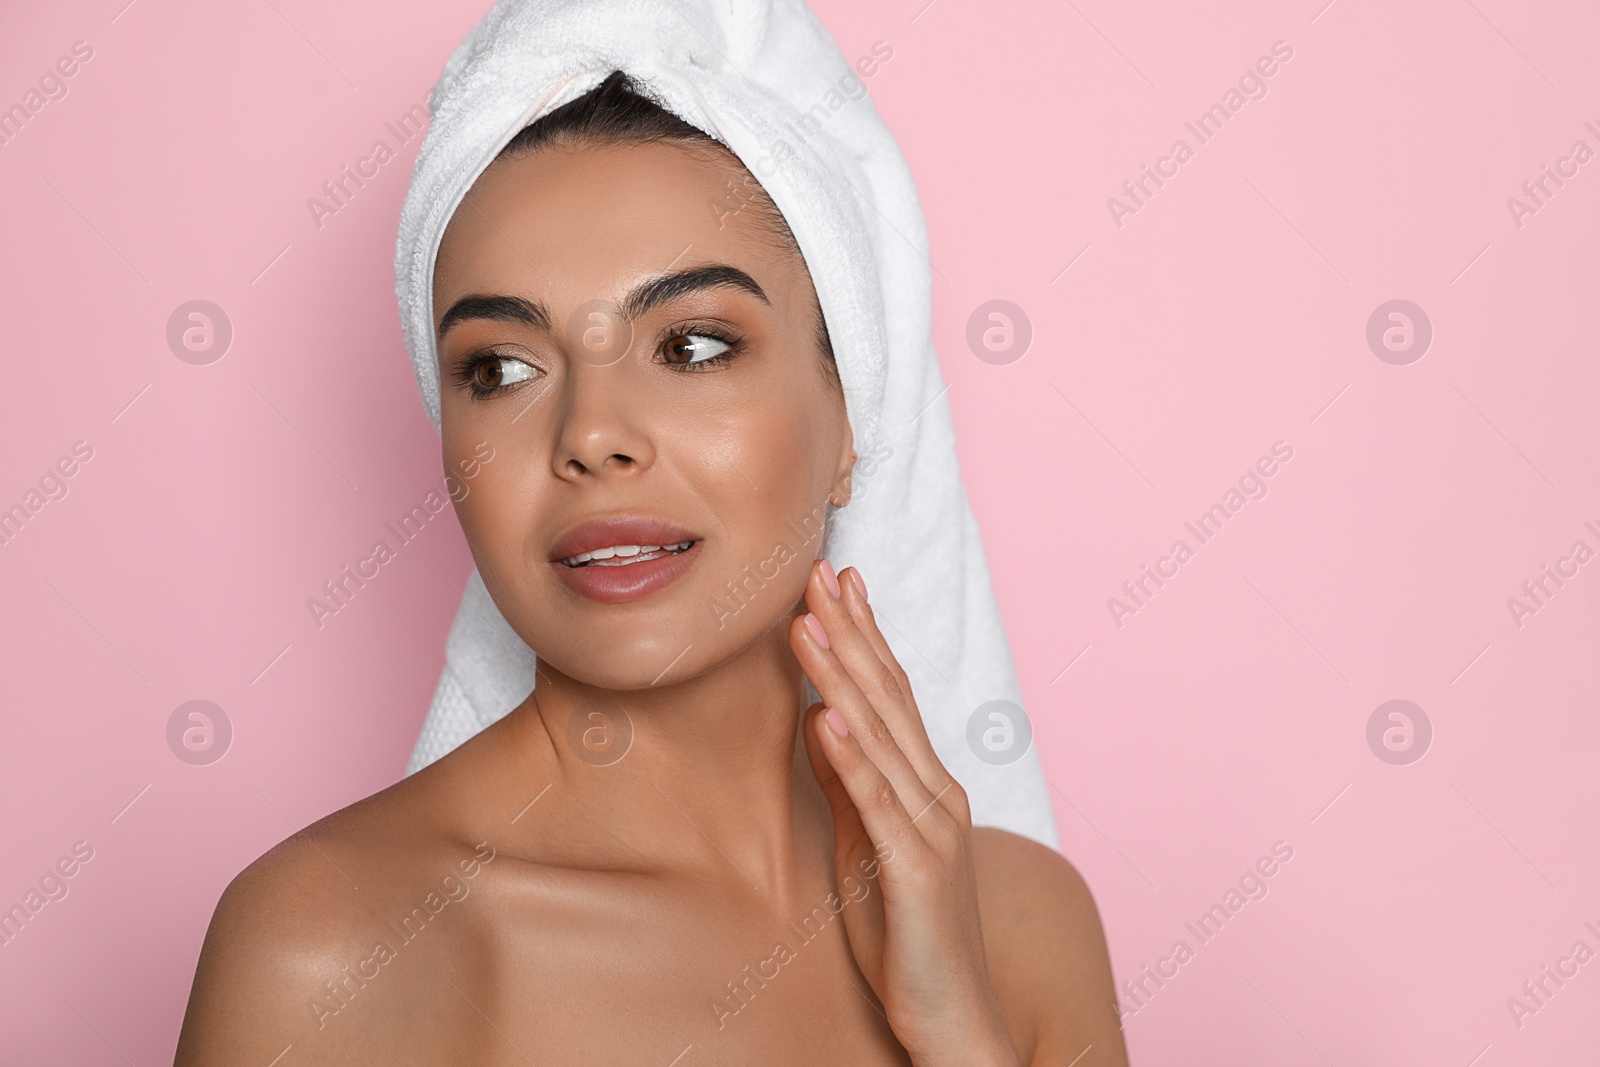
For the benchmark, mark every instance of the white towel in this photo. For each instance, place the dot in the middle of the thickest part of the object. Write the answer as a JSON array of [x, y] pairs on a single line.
[[765, 79]]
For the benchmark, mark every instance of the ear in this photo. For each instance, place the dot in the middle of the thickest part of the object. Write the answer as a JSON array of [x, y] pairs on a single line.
[[844, 477]]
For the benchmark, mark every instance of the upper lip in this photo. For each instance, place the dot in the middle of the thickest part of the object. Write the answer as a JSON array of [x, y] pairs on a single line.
[[618, 530]]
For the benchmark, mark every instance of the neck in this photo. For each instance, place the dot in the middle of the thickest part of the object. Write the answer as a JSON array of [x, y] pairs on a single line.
[[707, 774]]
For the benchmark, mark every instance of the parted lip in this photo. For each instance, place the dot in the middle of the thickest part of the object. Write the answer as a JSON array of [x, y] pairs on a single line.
[[618, 530]]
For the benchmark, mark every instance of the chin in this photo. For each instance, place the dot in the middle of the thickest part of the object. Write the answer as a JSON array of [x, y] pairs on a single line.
[[623, 664], [655, 648]]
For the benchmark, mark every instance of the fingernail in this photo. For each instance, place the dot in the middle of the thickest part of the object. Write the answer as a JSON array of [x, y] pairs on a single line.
[[836, 722], [814, 624], [831, 578], [861, 583]]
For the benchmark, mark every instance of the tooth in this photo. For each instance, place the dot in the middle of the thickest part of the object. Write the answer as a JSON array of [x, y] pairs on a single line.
[[624, 551]]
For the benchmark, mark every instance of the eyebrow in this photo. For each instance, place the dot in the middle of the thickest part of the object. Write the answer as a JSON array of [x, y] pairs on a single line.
[[641, 300]]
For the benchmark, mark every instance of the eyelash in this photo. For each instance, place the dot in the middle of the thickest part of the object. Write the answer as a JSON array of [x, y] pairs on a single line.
[[704, 329], [466, 368]]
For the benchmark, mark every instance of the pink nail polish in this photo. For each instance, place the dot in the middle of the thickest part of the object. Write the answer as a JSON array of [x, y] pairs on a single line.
[[861, 583], [831, 578], [814, 624], [836, 722]]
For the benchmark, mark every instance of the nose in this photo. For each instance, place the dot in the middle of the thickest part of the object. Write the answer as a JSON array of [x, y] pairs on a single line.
[[603, 430]]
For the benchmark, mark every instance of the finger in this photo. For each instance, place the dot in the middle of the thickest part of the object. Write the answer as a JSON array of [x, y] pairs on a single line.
[[921, 750], [846, 819], [853, 594], [838, 690], [877, 803], [905, 716], [854, 636]]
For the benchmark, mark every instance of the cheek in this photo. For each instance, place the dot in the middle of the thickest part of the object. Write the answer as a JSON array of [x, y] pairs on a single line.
[[769, 478], [783, 450], [492, 511]]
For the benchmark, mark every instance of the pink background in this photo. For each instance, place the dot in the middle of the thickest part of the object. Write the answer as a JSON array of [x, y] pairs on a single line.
[[1228, 313]]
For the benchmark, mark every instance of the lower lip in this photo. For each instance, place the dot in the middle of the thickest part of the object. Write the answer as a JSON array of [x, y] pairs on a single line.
[[634, 581]]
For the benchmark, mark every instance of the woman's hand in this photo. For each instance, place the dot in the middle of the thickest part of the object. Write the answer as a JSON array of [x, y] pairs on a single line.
[[898, 815]]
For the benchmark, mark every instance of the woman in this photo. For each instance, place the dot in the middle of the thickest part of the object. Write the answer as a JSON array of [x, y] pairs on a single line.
[[664, 854]]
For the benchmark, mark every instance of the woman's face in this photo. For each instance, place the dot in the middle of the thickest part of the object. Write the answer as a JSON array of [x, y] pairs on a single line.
[[699, 405]]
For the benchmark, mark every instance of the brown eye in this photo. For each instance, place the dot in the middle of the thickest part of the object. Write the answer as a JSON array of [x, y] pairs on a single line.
[[487, 375], [492, 372], [685, 348]]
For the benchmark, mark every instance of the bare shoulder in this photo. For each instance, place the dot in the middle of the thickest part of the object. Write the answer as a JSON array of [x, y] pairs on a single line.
[[301, 938], [1047, 951]]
